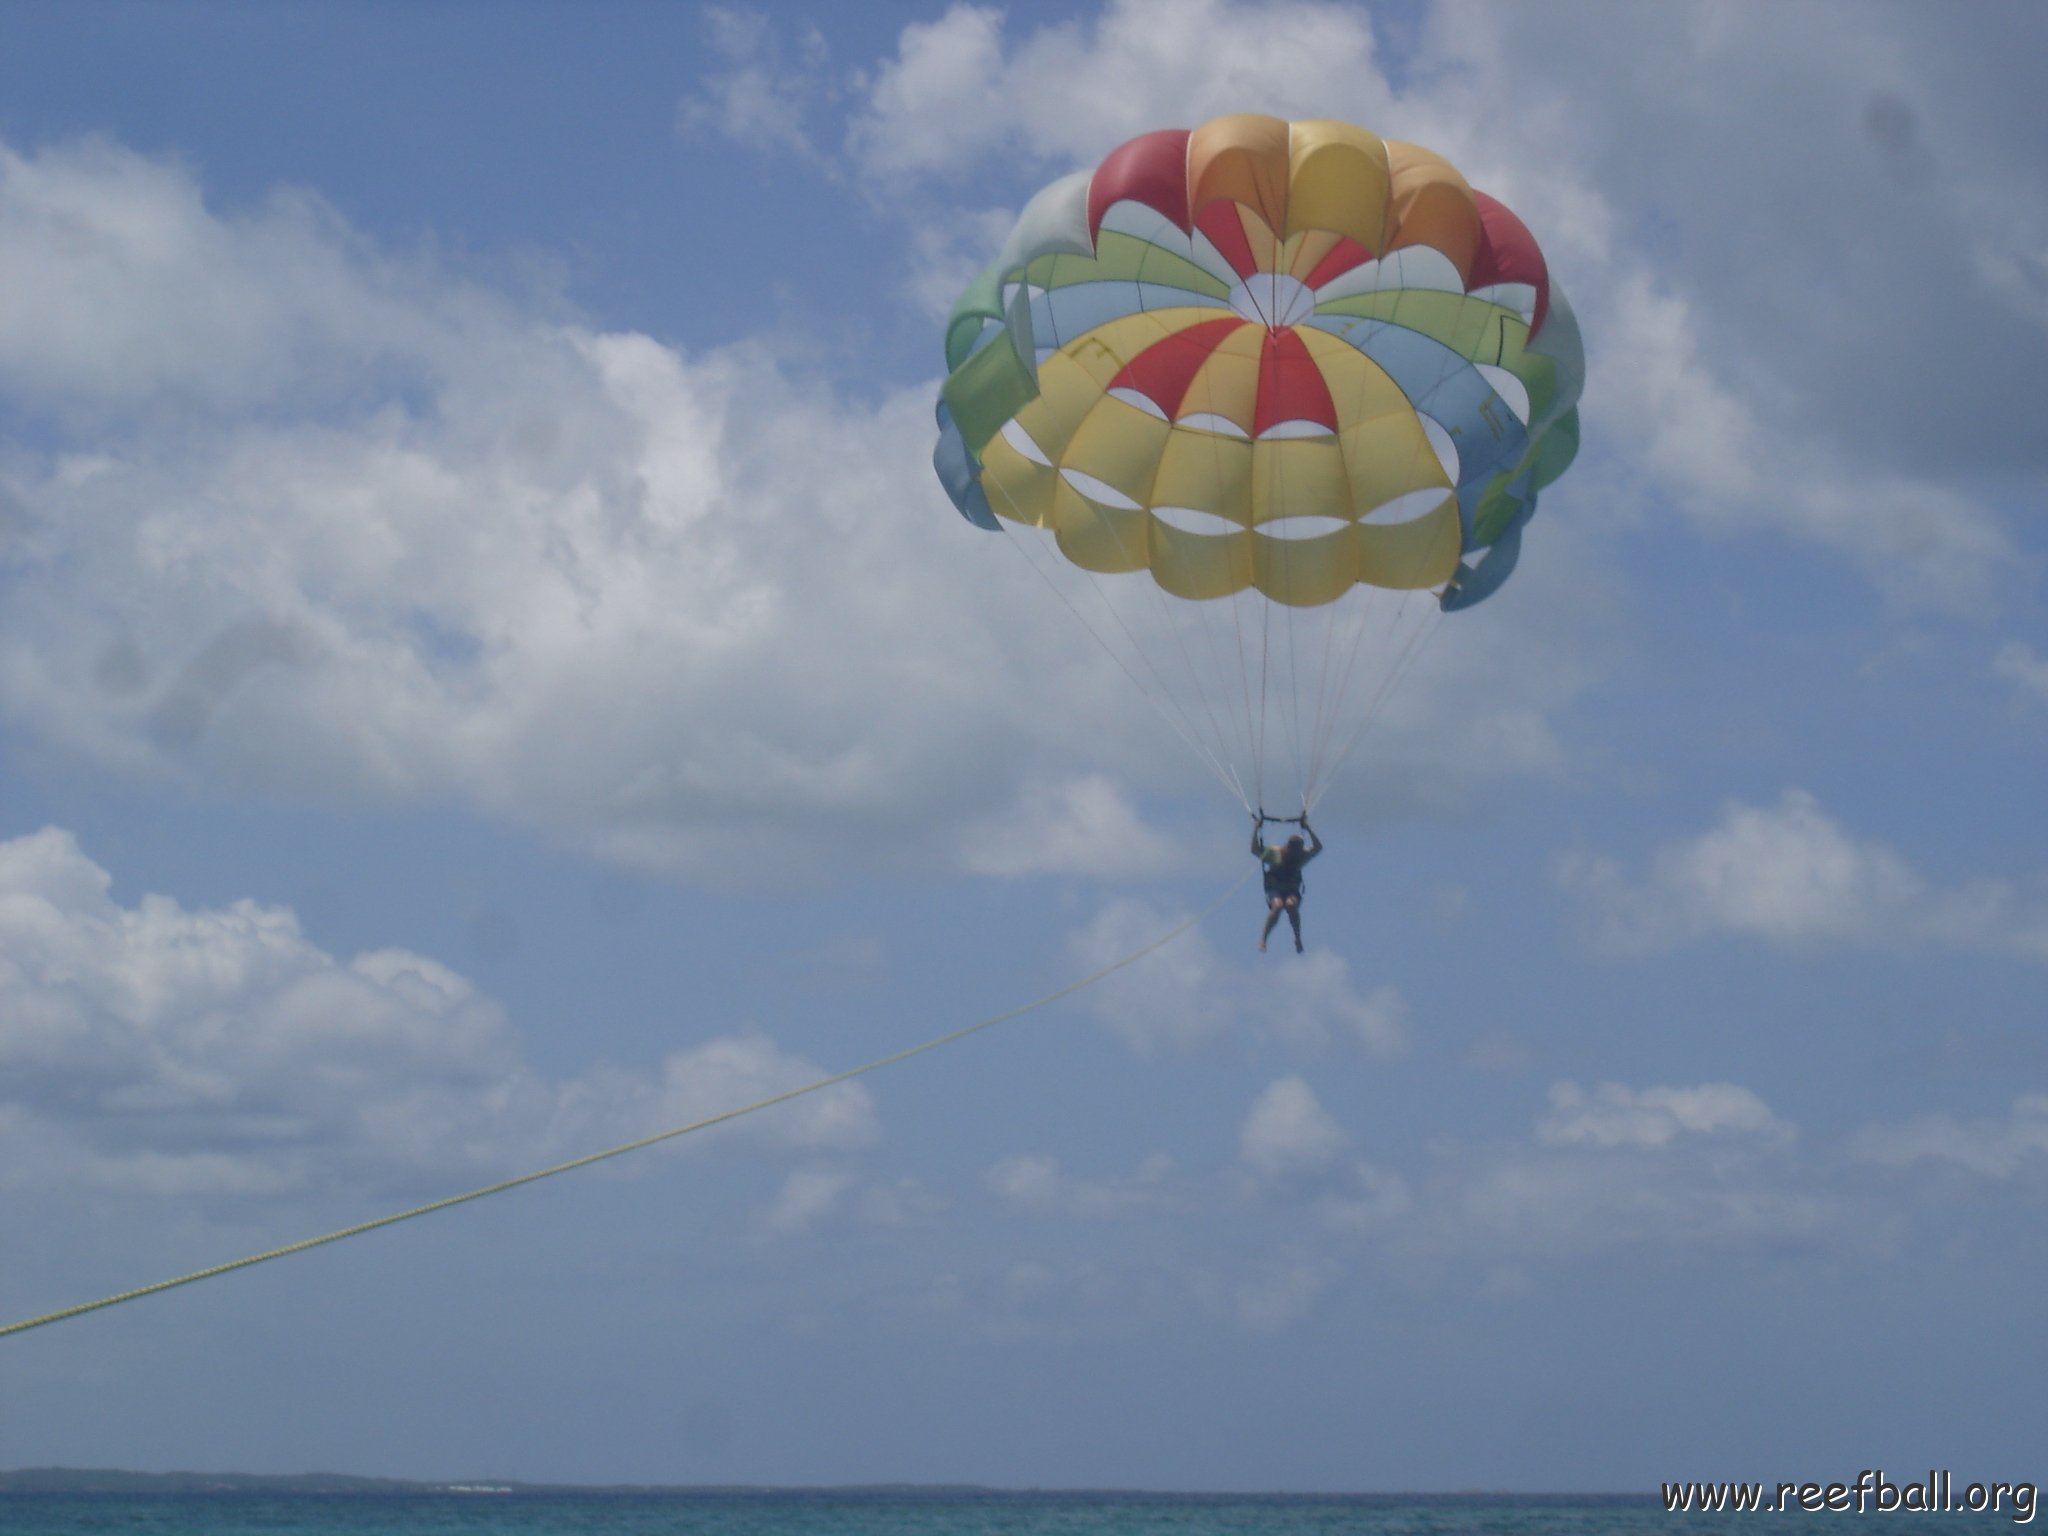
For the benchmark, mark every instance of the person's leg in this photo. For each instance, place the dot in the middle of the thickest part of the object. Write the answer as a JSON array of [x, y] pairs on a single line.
[[1272, 917], [1294, 917]]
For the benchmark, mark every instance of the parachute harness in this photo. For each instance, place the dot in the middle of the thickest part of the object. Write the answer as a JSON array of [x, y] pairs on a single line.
[[645, 1141]]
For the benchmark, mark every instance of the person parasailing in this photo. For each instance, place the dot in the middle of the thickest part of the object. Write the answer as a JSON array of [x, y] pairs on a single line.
[[1261, 401], [1283, 867]]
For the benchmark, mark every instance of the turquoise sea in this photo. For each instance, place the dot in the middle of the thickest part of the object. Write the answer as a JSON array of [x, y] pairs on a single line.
[[883, 1514]]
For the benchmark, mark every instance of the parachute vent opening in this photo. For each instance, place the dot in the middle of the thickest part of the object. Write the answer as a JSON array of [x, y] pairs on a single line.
[[1021, 440], [1209, 421], [1414, 266], [1273, 299], [1409, 507], [1445, 446], [1194, 520], [1509, 388], [1307, 527], [1296, 428], [1098, 490], [1140, 399]]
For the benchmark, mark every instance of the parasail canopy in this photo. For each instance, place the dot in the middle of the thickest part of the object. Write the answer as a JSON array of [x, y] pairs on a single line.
[[1247, 386]]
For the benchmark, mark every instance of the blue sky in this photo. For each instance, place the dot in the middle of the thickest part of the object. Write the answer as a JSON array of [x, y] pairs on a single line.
[[486, 672]]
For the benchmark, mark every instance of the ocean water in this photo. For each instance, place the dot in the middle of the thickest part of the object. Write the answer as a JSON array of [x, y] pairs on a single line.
[[886, 1514]]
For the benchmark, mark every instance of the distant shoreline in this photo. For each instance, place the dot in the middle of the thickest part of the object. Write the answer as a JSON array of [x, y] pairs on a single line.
[[71, 1480]]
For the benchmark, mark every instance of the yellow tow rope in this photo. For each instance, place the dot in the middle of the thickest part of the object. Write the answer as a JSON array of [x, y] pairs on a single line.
[[632, 1146]]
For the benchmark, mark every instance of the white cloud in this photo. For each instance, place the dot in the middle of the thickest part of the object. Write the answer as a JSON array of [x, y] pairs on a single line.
[[121, 292], [958, 91], [1038, 1183], [808, 1195], [390, 536], [1283, 1294], [1031, 1181], [947, 254], [1313, 1002], [1737, 369], [1791, 876], [1613, 1115], [1365, 1198], [1184, 995], [1730, 354], [1288, 1131], [1085, 826], [416, 543], [1698, 432], [1171, 999], [2020, 663], [159, 1048], [1996, 1149], [761, 99]]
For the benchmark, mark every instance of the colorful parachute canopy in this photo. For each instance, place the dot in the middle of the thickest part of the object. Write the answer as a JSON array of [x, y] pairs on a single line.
[[1286, 359], [1292, 356]]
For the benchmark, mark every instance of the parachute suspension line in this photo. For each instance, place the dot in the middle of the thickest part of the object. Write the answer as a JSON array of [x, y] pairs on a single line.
[[1258, 734], [1182, 615], [1169, 611], [1160, 696], [671, 1134], [1244, 732], [1244, 673], [1205, 620], [1345, 642], [1372, 603], [1319, 733], [1172, 617], [1388, 613], [1431, 618], [1375, 603], [1293, 668], [1175, 620]]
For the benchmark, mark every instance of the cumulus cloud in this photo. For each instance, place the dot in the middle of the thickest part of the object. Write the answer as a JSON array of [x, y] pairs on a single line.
[[1744, 379], [1081, 826], [807, 1196], [1613, 1115], [1185, 995], [164, 1049], [408, 540], [1698, 432], [1282, 1294], [1037, 1182], [382, 534], [1294, 1149], [764, 95], [959, 90], [1729, 336], [947, 254], [1994, 1148], [2020, 663], [1172, 998], [1602, 1170], [1790, 875], [1316, 1004], [1289, 1131]]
